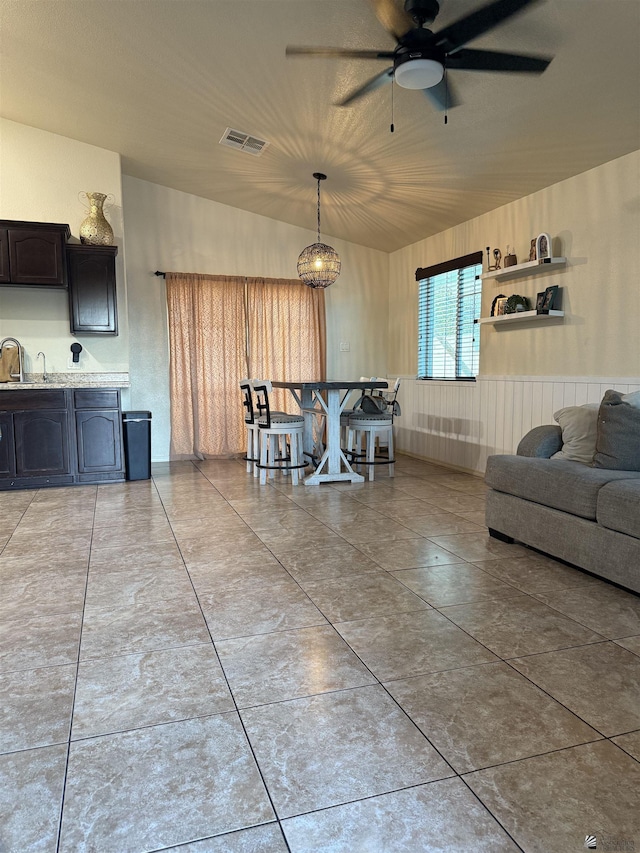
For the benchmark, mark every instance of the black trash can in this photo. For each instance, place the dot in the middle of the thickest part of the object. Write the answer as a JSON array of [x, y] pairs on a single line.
[[136, 427]]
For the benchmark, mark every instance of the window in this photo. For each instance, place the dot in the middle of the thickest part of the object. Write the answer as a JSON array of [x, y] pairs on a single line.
[[448, 305]]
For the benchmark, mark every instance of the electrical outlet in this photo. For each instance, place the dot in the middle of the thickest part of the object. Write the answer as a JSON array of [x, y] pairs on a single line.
[[72, 365], [345, 346]]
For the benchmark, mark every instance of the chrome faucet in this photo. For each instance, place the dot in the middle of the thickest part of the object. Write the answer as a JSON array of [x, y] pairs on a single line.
[[44, 366], [20, 375]]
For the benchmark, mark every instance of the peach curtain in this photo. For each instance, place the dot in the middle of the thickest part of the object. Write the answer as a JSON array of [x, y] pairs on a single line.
[[222, 328]]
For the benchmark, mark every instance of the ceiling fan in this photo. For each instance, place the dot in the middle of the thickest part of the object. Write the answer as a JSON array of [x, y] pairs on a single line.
[[422, 57]]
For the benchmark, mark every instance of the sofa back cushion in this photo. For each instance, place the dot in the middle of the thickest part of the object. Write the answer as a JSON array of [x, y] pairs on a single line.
[[579, 426], [618, 435]]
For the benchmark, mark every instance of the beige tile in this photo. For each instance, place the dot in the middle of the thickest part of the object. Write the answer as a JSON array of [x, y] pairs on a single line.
[[201, 550], [601, 607], [407, 509], [408, 644], [441, 524], [475, 517], [630, 743], [231, 612], [361, 596], [537, 573], [442, 817], [365, 533], [476, 547], [484, 715], [630, 643], [131, 554], [43, 594], [31, 788], [551, 802], [517, 626], [346, 512], [137, 587], [259, 839], [290, 664], [317, 538], [458, 583], [458, 502], [338, 747], [35, 707], [119, 693], [407, 554], [599, 682], [164, 624], [28, 643], [246, 570], [168, 784], [331, 561]]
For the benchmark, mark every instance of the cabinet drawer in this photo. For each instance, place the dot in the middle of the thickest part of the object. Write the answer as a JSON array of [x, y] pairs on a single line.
[[29, 400], [96, 398]]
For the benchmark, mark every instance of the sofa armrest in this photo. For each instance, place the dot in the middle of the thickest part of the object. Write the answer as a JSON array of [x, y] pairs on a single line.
[[541, 441]]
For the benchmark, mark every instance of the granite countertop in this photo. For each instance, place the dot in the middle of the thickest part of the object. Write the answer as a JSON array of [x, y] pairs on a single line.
[[33, 381]]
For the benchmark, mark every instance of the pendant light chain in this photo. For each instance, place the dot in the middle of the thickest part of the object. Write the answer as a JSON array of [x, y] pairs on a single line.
[[319, 210], [319, 264]]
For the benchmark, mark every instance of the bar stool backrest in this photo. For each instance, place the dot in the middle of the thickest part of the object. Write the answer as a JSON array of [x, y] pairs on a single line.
[[262, 388], [247, 402]]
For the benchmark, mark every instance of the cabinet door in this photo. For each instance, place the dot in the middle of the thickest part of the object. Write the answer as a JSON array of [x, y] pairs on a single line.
[[42, 443], [7, 454], [99, 441], [37, 257], [4, 255], [92, 290]]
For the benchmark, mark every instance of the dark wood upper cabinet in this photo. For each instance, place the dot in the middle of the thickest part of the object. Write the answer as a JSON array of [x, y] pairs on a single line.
[[92, 289], [33, 253]]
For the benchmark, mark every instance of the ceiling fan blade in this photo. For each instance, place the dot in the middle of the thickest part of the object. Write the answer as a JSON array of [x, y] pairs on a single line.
[[490, 60], [376, 82], [393, 18], [460, 32], [333, 52], [443, 96]]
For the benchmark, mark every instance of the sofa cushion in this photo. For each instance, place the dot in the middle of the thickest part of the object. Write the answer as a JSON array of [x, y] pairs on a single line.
[[557, 483], [619, 507], [579, 429], [618, 439]]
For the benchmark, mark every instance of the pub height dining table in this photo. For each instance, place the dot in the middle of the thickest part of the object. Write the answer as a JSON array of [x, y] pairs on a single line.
[[328, 398]]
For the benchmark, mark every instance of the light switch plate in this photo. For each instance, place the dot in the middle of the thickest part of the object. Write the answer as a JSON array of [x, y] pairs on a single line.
[[344, 346]]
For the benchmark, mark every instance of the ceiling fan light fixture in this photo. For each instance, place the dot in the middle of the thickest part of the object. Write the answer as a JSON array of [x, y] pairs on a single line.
[[318, 264], [419, 73]]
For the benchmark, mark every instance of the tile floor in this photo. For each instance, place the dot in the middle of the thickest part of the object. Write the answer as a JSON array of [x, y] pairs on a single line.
[[201, 664]]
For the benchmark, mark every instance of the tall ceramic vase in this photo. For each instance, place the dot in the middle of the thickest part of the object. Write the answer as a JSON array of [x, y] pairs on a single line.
[[95, 230]]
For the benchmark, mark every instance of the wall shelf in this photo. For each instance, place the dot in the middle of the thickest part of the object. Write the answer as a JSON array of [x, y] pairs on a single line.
[[521, 316], [527, 268]]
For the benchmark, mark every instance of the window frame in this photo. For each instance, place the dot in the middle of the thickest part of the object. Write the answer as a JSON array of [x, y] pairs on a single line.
[[462, 328]]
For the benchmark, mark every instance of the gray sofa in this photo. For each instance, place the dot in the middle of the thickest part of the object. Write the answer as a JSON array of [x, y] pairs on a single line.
[[589, 517]]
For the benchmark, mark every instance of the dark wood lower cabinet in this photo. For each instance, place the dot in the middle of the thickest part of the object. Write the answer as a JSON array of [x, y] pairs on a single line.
[[78, 441]]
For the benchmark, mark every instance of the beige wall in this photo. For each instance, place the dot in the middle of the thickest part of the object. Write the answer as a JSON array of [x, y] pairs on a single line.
[[171, 230], [41, 175], [594, 220]]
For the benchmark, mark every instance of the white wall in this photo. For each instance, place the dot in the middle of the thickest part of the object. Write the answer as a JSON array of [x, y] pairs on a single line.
[[528, 371], [174, 231], [41, 175]]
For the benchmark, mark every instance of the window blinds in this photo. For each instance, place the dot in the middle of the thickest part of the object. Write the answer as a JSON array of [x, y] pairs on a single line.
[[449, 297]]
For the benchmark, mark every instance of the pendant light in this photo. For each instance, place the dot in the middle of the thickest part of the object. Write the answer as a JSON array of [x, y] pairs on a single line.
[[319, 264]]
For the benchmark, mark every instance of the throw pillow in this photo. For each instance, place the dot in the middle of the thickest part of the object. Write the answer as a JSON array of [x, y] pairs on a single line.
[[633, 399], [618, 438], [579, 426]]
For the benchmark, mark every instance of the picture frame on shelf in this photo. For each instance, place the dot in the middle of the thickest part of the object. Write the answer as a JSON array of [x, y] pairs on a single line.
[[501, 303], [494, 304], [550, 297], [543, 246], [540, 298]]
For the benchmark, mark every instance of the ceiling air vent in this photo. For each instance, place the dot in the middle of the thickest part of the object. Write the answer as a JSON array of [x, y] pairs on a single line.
[[243, 142]]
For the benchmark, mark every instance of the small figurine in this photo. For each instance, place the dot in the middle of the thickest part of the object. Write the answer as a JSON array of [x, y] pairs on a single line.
[[497, 257], [532, 250]]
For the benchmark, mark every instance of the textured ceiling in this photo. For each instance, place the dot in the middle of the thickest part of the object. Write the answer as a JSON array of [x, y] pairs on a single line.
[[160, 80]]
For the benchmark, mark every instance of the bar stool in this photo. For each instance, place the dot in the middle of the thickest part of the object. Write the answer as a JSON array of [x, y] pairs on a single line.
[[252, 455], [346, 413], [280, 436], [377, 429]]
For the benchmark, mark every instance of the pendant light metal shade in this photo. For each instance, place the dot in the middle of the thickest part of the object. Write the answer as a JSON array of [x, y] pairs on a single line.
[[319, 264]]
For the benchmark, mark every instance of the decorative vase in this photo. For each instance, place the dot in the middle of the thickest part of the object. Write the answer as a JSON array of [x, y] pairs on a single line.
[[95, 230]]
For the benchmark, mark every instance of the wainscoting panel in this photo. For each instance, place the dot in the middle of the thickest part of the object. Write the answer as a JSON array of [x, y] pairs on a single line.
[[462, 423]]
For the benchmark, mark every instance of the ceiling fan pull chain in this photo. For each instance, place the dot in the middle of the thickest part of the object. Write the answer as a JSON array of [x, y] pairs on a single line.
[[392, 128]]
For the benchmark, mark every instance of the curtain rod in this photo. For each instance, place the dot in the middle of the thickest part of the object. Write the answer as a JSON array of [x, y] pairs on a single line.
[[159, 272]]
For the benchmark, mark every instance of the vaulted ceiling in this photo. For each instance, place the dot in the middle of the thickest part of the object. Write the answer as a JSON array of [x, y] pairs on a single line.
[[160, 80]]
